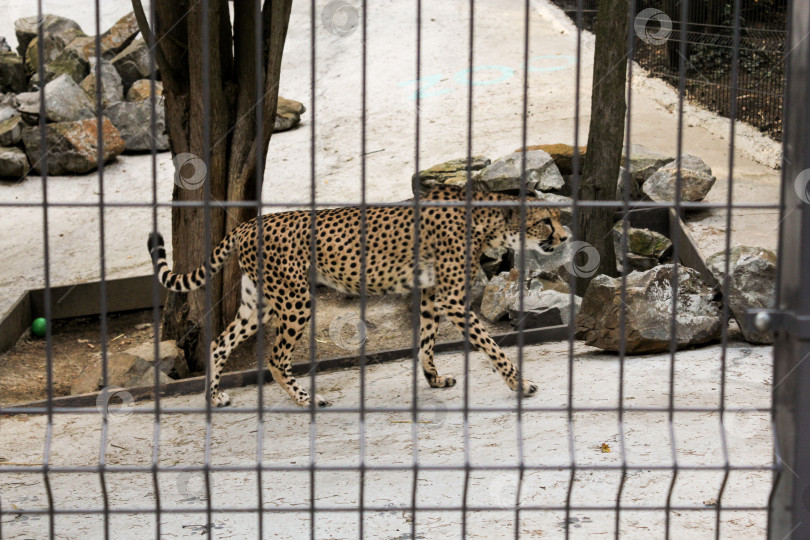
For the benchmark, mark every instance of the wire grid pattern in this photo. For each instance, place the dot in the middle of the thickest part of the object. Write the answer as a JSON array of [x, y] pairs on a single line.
[[710, 47], [157, 410]]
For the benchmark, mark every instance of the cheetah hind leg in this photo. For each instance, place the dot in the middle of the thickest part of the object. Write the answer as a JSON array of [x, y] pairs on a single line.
[[428, 325]]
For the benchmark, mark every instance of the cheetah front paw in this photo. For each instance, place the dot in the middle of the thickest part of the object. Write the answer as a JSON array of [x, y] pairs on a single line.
[[319, 401], [220, 399], [529, 388], [445, 382]]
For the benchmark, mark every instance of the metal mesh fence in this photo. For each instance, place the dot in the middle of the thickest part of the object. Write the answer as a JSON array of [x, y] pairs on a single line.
[[391, 457], [709, 52]]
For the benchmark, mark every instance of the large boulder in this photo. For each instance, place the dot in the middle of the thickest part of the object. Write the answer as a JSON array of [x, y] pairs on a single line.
[[752, 284], [288, 114], [645, 248], [171, 359], [649, 311], [142, 89], [27, 29], [502, 296], [453, 172], [133, 120], [132, 63], [12, 73], [132, 368], [68, 62], [112, 90], [643, 163], [563, 156], [65, 101], [13, 164], [504, 174], [11, 130], [545, 308], [72, 146], [119, 36], [696, 180]]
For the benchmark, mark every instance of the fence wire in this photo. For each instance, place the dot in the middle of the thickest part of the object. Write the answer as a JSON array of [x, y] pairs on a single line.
[[311, 457]]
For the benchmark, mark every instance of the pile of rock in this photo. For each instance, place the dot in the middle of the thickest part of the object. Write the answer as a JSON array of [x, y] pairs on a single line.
[[133, 368], [71, 63], [648, 298]]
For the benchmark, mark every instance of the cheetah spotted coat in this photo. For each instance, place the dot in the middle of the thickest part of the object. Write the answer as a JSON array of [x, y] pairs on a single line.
[[389, 268]]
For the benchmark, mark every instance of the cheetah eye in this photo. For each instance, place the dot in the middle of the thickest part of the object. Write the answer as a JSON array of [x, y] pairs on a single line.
[[547, 221]]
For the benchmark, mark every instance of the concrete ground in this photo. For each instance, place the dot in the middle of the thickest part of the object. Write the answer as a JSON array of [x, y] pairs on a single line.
[[492, 439], [74, 253]]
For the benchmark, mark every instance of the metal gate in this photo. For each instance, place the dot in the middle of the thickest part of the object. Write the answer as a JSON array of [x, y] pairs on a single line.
[[161, 463]]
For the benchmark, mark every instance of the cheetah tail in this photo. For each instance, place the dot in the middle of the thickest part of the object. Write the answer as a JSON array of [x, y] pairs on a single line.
[[194, 279]]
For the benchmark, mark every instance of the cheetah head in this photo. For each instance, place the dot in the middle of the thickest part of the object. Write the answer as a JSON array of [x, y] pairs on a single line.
[[544, 231]]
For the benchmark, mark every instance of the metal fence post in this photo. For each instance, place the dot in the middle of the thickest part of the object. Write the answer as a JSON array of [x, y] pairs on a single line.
[[789, 513]]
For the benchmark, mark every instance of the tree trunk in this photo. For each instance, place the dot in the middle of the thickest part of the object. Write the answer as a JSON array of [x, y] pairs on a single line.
[[228, 152], [606, 134]]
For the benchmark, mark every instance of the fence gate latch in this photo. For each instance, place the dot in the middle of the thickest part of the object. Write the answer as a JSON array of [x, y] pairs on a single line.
[[774, 320]]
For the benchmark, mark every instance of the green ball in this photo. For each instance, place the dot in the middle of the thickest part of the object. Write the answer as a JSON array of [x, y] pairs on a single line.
[[38, 327]]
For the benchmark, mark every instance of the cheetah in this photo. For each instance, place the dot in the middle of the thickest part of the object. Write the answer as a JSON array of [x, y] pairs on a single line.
[[389, 268]]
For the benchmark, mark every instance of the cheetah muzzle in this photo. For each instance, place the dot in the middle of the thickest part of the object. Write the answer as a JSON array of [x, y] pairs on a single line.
[[389, 268]]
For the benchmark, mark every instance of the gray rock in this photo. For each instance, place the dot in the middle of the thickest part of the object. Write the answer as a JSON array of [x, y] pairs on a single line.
[[8, 100], [649, 311], [68, 62], [547, 281], [644, 162], [65, 101], [72, 146], [544, 308], [132, 63], [688, 161], [4, 46], [453, 172], [13, 164], [752, 284], [112, 89], [492, 259], [12, 73], [7, 111], [695, 185], [133, 367], [27, 29], [11, 131], [119, 36], [171, 359], [499, 295], [504, 174], [142, 89], [502, 295], [133, 120], [288, 114], [645, 248]]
